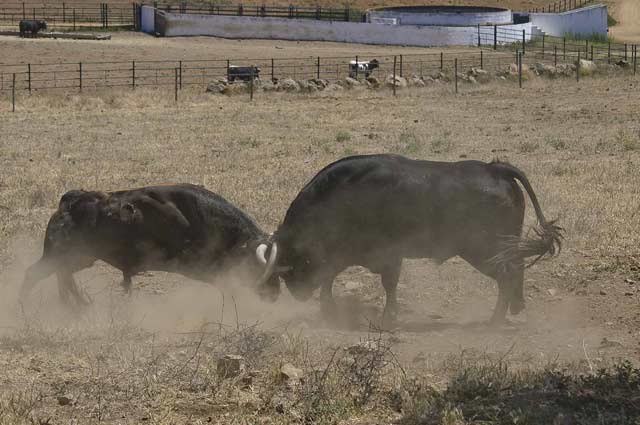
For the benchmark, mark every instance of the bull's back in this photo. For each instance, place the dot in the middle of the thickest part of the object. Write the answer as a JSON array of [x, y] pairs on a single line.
[[374, 200]]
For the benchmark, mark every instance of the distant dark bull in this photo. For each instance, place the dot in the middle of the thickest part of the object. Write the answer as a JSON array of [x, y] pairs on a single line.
[[242, 73], [31, 26], [181, 228], [376, 210]]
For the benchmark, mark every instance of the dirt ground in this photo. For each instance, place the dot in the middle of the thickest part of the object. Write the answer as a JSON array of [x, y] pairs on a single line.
[[152, 358]]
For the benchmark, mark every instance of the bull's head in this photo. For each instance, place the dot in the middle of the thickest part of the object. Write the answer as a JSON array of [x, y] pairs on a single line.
[[296, 267]]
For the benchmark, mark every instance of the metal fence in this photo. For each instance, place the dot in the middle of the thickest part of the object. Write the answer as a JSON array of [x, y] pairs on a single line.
[[562, 6], [70, 15], [544, 46], [75, 15]]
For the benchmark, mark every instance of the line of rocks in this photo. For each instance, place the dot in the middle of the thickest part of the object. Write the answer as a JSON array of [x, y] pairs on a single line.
[[474, 75]]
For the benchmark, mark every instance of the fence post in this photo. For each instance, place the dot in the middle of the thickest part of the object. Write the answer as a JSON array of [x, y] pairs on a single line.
[[555, 56], [481, 60], [74, 18], [479, 44], [455, 73], [251, 85], [64, 15], [441, 61], [13, 93], [586, 49], [609, 52], [318, 69], [564, 48], [592, 53], [175, 85], [395, 59], [635, 58], [106, 15], [543, 37], [578, 68], [80, 73], [520, 70], [625, 51], [495, 37], [524, 37], [180, 75], [356, 67], [29, 76], [272, 74], [401, 73], [24, 13], [133, 74]]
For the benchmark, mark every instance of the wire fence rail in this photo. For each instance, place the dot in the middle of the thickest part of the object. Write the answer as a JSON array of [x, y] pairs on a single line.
[[75, 15], [562, 6]]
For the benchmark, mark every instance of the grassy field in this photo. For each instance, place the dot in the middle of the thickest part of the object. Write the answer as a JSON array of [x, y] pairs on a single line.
[[152, 358]]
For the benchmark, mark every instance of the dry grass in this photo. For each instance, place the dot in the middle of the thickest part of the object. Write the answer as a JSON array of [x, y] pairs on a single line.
[[153, 359]]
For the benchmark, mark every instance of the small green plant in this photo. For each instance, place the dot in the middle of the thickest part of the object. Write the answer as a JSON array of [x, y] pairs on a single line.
[[556, 143], [628, 142], [527, 147], [343, 136], [441, 144], [409, 143]]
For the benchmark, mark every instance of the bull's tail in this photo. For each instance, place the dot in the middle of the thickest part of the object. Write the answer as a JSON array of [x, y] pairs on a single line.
[[547, 238]]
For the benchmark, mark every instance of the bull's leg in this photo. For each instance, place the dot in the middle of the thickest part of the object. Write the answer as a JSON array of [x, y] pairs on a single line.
[[489, 269], [66, 282], [126, 282], [327, 303], [34, 274], [390, 275]]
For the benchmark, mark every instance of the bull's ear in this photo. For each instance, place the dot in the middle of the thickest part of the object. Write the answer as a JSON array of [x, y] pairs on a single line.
[[130, 214]]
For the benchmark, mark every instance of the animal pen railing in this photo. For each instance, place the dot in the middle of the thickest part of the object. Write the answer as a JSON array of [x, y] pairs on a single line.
[[562, 6], [183, 73], [544, 47], [70, 15], [73, 15]]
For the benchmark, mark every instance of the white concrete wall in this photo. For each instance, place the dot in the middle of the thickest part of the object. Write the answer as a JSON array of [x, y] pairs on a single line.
[[442, 18], [585, 21], [147, 19], [245, 27]]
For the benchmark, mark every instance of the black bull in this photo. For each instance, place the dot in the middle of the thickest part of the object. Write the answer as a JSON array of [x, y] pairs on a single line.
[[181, 228], [31, 26], [375, 210]]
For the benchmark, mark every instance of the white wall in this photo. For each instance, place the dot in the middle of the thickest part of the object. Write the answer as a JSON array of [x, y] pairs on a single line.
[[245, 27], [147, 19], [585, 21], [443, 18]]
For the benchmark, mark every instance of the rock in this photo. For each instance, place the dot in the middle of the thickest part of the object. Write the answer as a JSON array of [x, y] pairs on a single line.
[[552, 292], [472, 79], [417, 81], [288, 85], [333, 87], [230, 366], [320, 83], [587, 67], [603, 292], [400, 82], [351, 82], [374, 81], [630, 281], [216, 87], [352, 286], [235, 88], [290, 373], [66, 400], [268, 86], [428, 80], [307, 86], [622, 63], [542, 69]]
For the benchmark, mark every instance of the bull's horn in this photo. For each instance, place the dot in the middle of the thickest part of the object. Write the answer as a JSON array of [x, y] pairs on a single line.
[[270, 264], [260, 253]]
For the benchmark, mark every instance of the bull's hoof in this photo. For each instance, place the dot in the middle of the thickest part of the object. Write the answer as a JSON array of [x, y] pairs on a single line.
[[389, 319], [516, 307]]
